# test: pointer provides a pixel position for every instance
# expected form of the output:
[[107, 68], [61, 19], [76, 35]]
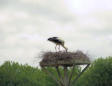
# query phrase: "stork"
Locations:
[[59, 42]]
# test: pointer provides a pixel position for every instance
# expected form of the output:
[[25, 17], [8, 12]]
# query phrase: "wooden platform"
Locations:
[[64, 59]]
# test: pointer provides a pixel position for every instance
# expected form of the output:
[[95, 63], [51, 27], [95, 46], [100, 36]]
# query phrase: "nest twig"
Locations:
[[64, 58]]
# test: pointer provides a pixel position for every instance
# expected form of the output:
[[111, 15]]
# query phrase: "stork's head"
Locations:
[[52, 38]]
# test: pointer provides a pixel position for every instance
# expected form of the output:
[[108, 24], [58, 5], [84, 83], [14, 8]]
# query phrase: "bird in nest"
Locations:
[[59, 42]]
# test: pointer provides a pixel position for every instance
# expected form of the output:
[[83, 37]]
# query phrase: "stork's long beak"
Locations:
[[48, 39]]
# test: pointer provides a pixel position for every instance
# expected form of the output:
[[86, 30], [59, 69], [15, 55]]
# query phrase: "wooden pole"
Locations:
[[66, 79], [66, 76], [51, 75], [71, 74], [59, 75], [74, 81]]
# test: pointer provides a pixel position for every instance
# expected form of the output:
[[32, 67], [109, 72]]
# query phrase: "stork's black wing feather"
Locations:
[[56, 41]]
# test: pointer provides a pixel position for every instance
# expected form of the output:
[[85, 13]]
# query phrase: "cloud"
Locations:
[[52, 10], [26, 25]]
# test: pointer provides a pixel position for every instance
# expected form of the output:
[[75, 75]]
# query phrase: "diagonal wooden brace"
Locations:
[[59, 74], [71, 74], [74, 81], [52, 76]]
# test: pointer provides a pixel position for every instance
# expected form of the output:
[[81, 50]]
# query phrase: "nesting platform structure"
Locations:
[[65, 60]]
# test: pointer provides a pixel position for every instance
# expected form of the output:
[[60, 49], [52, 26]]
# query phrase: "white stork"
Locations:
[[59, 42]]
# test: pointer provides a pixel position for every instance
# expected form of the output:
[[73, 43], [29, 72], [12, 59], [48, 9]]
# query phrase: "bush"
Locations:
[[98, 74], [14, 74]]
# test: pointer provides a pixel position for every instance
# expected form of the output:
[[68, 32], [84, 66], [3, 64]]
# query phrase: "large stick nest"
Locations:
[[64, 58]]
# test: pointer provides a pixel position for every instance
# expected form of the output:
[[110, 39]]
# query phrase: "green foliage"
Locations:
[[14, 74], [98, 74]]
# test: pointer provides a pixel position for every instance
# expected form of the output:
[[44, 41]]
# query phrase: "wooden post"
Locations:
[[51, 75], [74, 81], [66, 79], [65, 76], [71, 75], [59, 74]]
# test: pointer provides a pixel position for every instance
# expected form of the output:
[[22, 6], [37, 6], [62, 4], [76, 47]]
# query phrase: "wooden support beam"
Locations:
[[71, 74], [65, 80], [66, 76], [59, 74], [74, 81], [52, 76]]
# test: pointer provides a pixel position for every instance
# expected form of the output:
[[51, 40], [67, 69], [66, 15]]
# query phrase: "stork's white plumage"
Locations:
[[59, 42]]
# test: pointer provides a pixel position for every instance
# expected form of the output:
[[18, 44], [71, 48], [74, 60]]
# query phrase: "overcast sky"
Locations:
[[25, 26]]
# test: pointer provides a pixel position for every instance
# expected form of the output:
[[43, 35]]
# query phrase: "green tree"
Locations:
[[14, 74], [98, 74]]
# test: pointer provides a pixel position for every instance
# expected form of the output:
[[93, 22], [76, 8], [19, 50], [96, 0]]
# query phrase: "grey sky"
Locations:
[[26, 24]]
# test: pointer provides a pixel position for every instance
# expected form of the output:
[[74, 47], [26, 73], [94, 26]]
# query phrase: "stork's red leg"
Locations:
[[56, 47], [65, 48], [59, 48]]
